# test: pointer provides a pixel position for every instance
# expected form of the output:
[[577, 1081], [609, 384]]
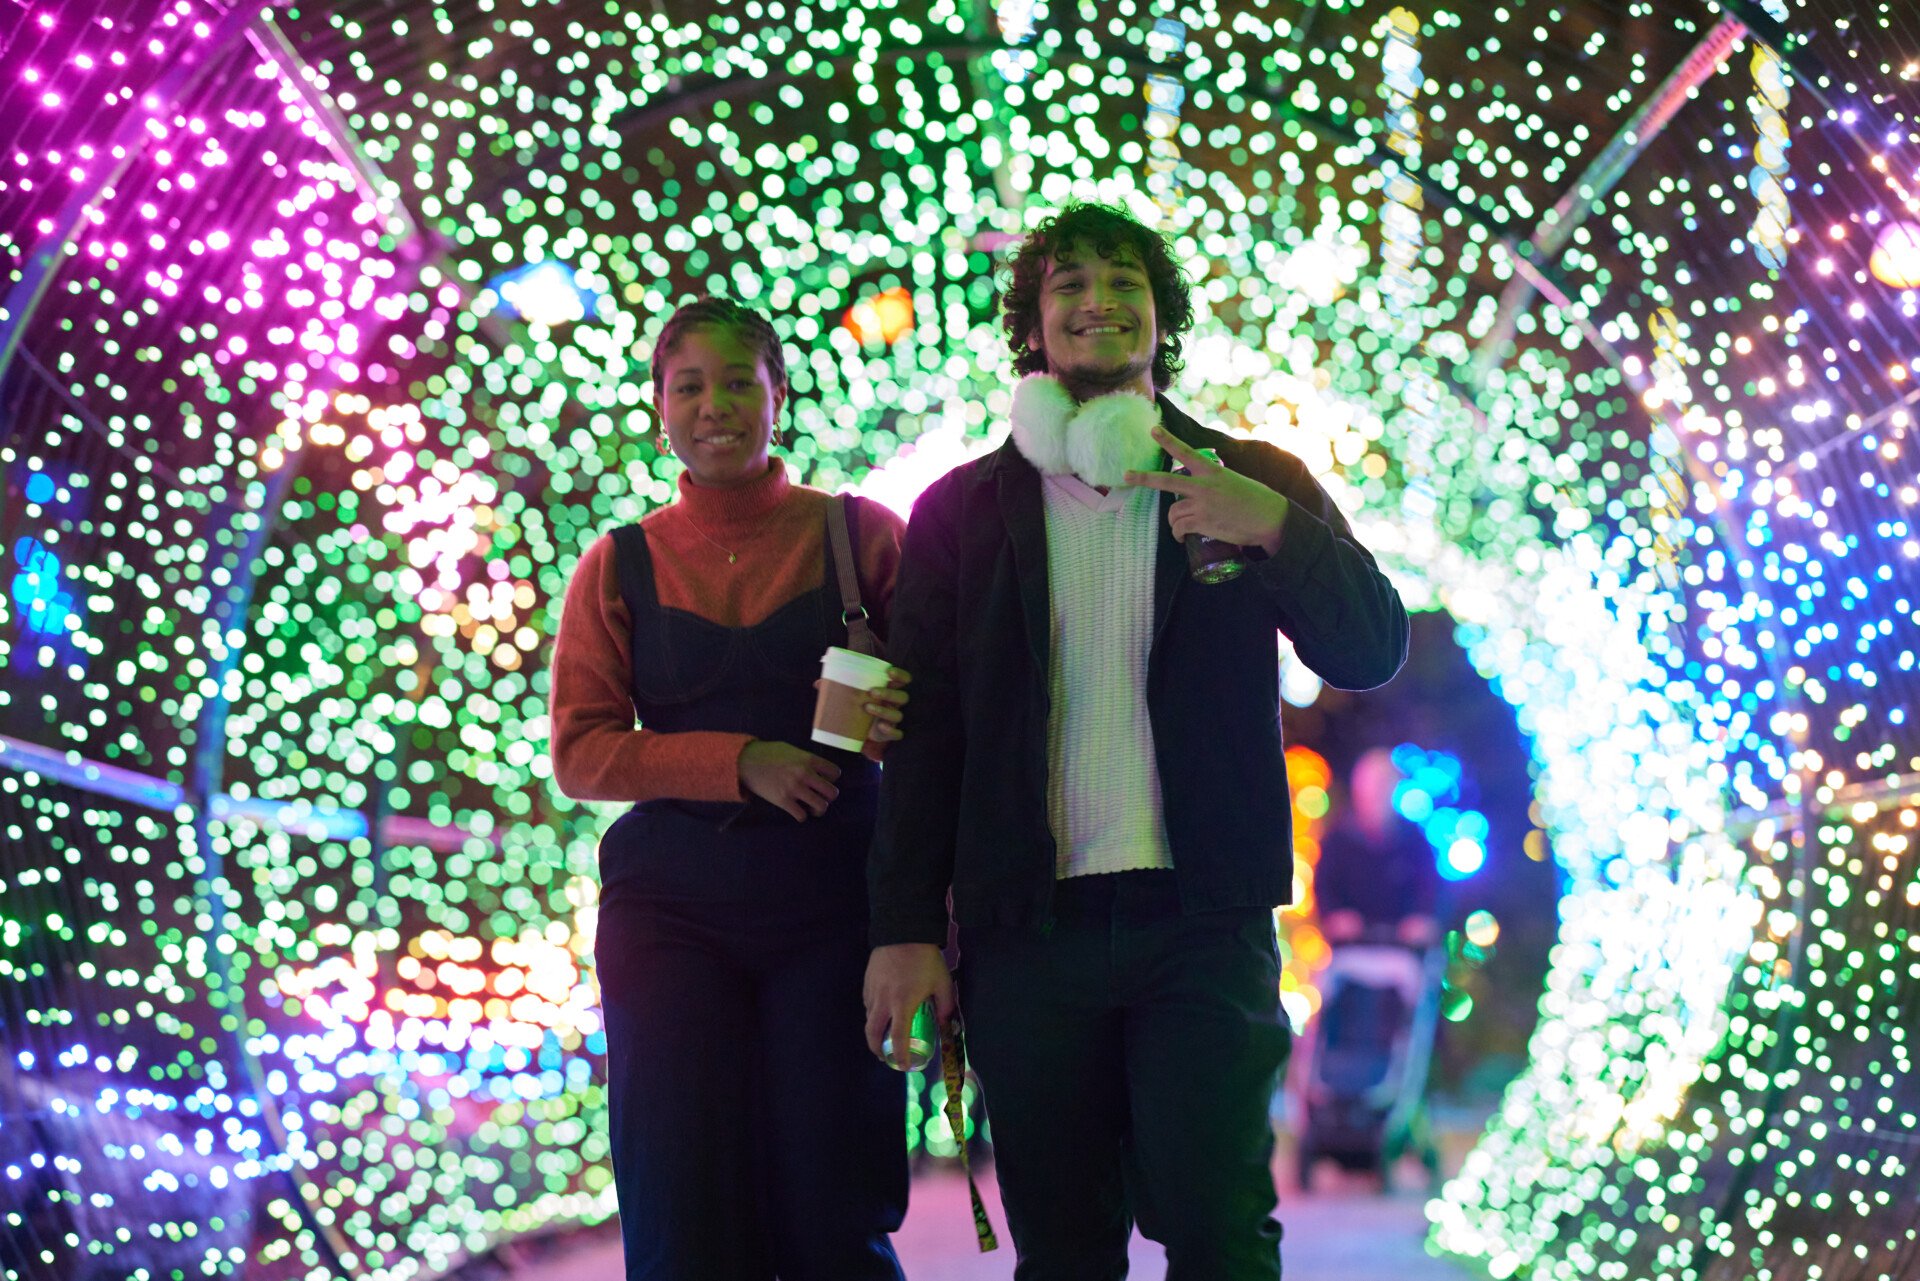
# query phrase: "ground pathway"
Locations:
[[1349, 1231]]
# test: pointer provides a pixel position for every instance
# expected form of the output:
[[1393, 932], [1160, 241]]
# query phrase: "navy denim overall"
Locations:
[[753, 1134]]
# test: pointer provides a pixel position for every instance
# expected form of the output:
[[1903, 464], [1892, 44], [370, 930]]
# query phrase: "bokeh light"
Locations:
[[295, 935]]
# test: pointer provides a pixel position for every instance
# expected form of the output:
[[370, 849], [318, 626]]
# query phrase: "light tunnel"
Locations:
[[324, 355]]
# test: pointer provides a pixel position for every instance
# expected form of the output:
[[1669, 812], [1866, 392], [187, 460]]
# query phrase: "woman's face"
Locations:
[[718, 403]]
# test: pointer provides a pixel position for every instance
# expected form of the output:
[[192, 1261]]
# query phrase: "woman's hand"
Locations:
[[886, 706], [798, 782]]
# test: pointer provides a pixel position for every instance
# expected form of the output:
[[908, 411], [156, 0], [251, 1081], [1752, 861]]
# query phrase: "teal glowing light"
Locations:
[[1428, 795]]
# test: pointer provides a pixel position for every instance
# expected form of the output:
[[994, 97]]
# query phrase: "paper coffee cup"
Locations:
[[840, 717]]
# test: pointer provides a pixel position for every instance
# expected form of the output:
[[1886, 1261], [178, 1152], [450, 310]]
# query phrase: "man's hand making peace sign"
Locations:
[[1214, 501]]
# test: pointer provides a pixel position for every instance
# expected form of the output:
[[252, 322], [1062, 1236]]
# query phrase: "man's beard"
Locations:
[[1086, 383]]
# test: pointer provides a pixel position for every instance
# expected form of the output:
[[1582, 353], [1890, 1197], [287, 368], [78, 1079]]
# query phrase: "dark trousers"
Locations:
[[1128, 1057], [753, 1133]]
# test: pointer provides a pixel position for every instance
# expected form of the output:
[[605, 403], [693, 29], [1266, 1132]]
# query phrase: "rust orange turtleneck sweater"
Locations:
[[779, 531]]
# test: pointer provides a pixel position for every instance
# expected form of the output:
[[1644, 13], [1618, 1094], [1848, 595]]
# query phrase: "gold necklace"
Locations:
[[733, 557]]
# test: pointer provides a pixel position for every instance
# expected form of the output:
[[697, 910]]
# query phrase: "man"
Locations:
[[1094, 776]]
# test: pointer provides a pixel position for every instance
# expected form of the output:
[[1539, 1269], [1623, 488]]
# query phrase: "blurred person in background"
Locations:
[[1376, 875]]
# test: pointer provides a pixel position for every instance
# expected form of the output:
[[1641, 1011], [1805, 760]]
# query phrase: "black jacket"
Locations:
[[963, 799]]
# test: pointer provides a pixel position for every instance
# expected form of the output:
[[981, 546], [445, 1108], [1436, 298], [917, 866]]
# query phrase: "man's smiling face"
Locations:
[[1098, 329]]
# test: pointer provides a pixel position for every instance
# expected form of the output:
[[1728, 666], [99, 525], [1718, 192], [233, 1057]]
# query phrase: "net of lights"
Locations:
[[296, 941]]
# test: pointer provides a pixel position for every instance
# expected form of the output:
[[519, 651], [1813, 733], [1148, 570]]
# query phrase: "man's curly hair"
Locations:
[[1105, 231]]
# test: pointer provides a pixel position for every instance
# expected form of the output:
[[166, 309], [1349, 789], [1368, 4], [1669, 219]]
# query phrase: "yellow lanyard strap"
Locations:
[[953, 1070]]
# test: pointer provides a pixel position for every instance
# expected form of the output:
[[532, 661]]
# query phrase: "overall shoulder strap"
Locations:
[[860, 635], [635, 563]]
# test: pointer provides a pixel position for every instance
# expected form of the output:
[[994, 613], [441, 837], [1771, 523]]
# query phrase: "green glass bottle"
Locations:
[[1210, 560]]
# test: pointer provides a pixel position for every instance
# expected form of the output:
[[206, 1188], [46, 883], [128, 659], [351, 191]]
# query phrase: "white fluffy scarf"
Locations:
[[1099, 441]]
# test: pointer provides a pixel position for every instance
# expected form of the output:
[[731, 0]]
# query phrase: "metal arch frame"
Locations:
[[206, 778], [1533, 260], [202, 790], [1532, 263], [1577, 202], [1535, 276], [416, 248], [23, 299]]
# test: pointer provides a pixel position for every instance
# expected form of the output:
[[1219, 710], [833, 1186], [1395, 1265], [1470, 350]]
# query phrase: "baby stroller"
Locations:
[[1361, 1076]]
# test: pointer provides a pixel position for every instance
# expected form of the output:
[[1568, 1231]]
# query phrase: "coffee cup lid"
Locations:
[[851, 667]]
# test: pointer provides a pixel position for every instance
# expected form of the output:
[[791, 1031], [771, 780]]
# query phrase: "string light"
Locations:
[[1768, 179], [291, 499], [1165, 96]]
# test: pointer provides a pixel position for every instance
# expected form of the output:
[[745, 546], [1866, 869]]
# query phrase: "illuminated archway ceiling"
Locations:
[[244, 369]]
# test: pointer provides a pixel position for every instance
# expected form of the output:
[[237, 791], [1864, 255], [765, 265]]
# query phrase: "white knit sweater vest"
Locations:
[[1103, 785]]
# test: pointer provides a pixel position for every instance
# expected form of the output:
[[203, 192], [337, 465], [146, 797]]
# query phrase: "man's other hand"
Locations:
[[900, 976]]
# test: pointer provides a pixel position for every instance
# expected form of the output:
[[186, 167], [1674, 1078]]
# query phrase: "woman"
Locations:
[[753, 1134]]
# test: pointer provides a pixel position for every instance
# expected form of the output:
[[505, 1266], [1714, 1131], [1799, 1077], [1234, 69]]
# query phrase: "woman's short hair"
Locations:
[[749, 324], [1106, 232]]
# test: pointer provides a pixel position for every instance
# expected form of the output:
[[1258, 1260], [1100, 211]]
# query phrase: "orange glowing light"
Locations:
[[1896, 256], [885, 317]]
